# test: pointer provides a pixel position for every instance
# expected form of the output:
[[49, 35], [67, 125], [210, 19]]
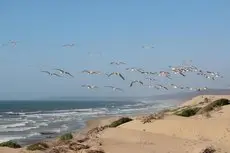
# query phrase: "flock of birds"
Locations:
[[181, 70]]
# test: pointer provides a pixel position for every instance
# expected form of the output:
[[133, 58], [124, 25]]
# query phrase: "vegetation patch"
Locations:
[[149, 118], [77, 146], [67, 136], [10, 144], [187, 112], [120, 121], [38, 146], [209, 150], [216, 104]]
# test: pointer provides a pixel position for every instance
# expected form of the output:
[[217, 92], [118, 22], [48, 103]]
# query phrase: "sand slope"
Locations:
[[172, 134]]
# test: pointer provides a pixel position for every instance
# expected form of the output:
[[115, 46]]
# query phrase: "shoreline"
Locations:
[[168, 129]]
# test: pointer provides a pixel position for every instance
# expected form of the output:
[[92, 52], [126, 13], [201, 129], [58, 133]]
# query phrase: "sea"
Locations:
[[26, 121]]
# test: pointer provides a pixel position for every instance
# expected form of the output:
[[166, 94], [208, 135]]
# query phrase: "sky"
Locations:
[[179, 30]]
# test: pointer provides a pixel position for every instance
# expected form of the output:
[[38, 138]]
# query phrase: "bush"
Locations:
[[209, 150], [10, 144], [187, 112], [67, 136], [120, 121], [38, 146], [213, 105]]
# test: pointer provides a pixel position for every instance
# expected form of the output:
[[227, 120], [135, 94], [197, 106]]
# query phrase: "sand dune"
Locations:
[[172, 134]]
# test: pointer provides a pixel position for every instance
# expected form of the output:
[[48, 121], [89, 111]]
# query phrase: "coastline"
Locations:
[[192, 133]]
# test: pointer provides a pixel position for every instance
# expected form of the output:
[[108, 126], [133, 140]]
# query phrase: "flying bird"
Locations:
[[114, 88], [150, 79], [161, 86], [90, 86], [118, 74], [147, 46], [13, 42], [91, 72], [117, 63], [136, 81], [68, 45], [61, 71], [132, 69]]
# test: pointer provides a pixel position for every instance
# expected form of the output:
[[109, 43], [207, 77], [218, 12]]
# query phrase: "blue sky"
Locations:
[[180, 30]]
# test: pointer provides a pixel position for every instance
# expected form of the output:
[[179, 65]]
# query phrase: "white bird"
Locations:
[[161, 86], [61, 71], [132, 69], [13, 42], [147, 46], [136, 81], [68, 45], [90, 86], [150, 79], [91, 72], [118, 74], [114, 88], [165, 74], [49, 73], [174, 86], [189, 88], [117, 63]]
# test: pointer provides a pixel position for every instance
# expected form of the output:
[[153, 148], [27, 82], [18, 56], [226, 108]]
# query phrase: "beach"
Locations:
[[164, 132]]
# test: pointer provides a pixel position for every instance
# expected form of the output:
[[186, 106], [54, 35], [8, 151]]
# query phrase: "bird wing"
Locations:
[[121, 76], [46, 72], [131, 84], [110, 74], [182, 74], [69, 74], [141, 82]]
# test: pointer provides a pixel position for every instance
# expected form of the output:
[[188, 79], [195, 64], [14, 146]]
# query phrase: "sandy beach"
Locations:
[[167, 134]]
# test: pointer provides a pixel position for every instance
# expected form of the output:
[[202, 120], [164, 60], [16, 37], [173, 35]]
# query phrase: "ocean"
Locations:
[[34, 120]]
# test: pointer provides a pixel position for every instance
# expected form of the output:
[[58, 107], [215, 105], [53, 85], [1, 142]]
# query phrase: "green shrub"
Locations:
[[67, 136], [209, 150], [38, 146], [220, 102], [213, 105], [187, 112], [10, 144], [120, 121]]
